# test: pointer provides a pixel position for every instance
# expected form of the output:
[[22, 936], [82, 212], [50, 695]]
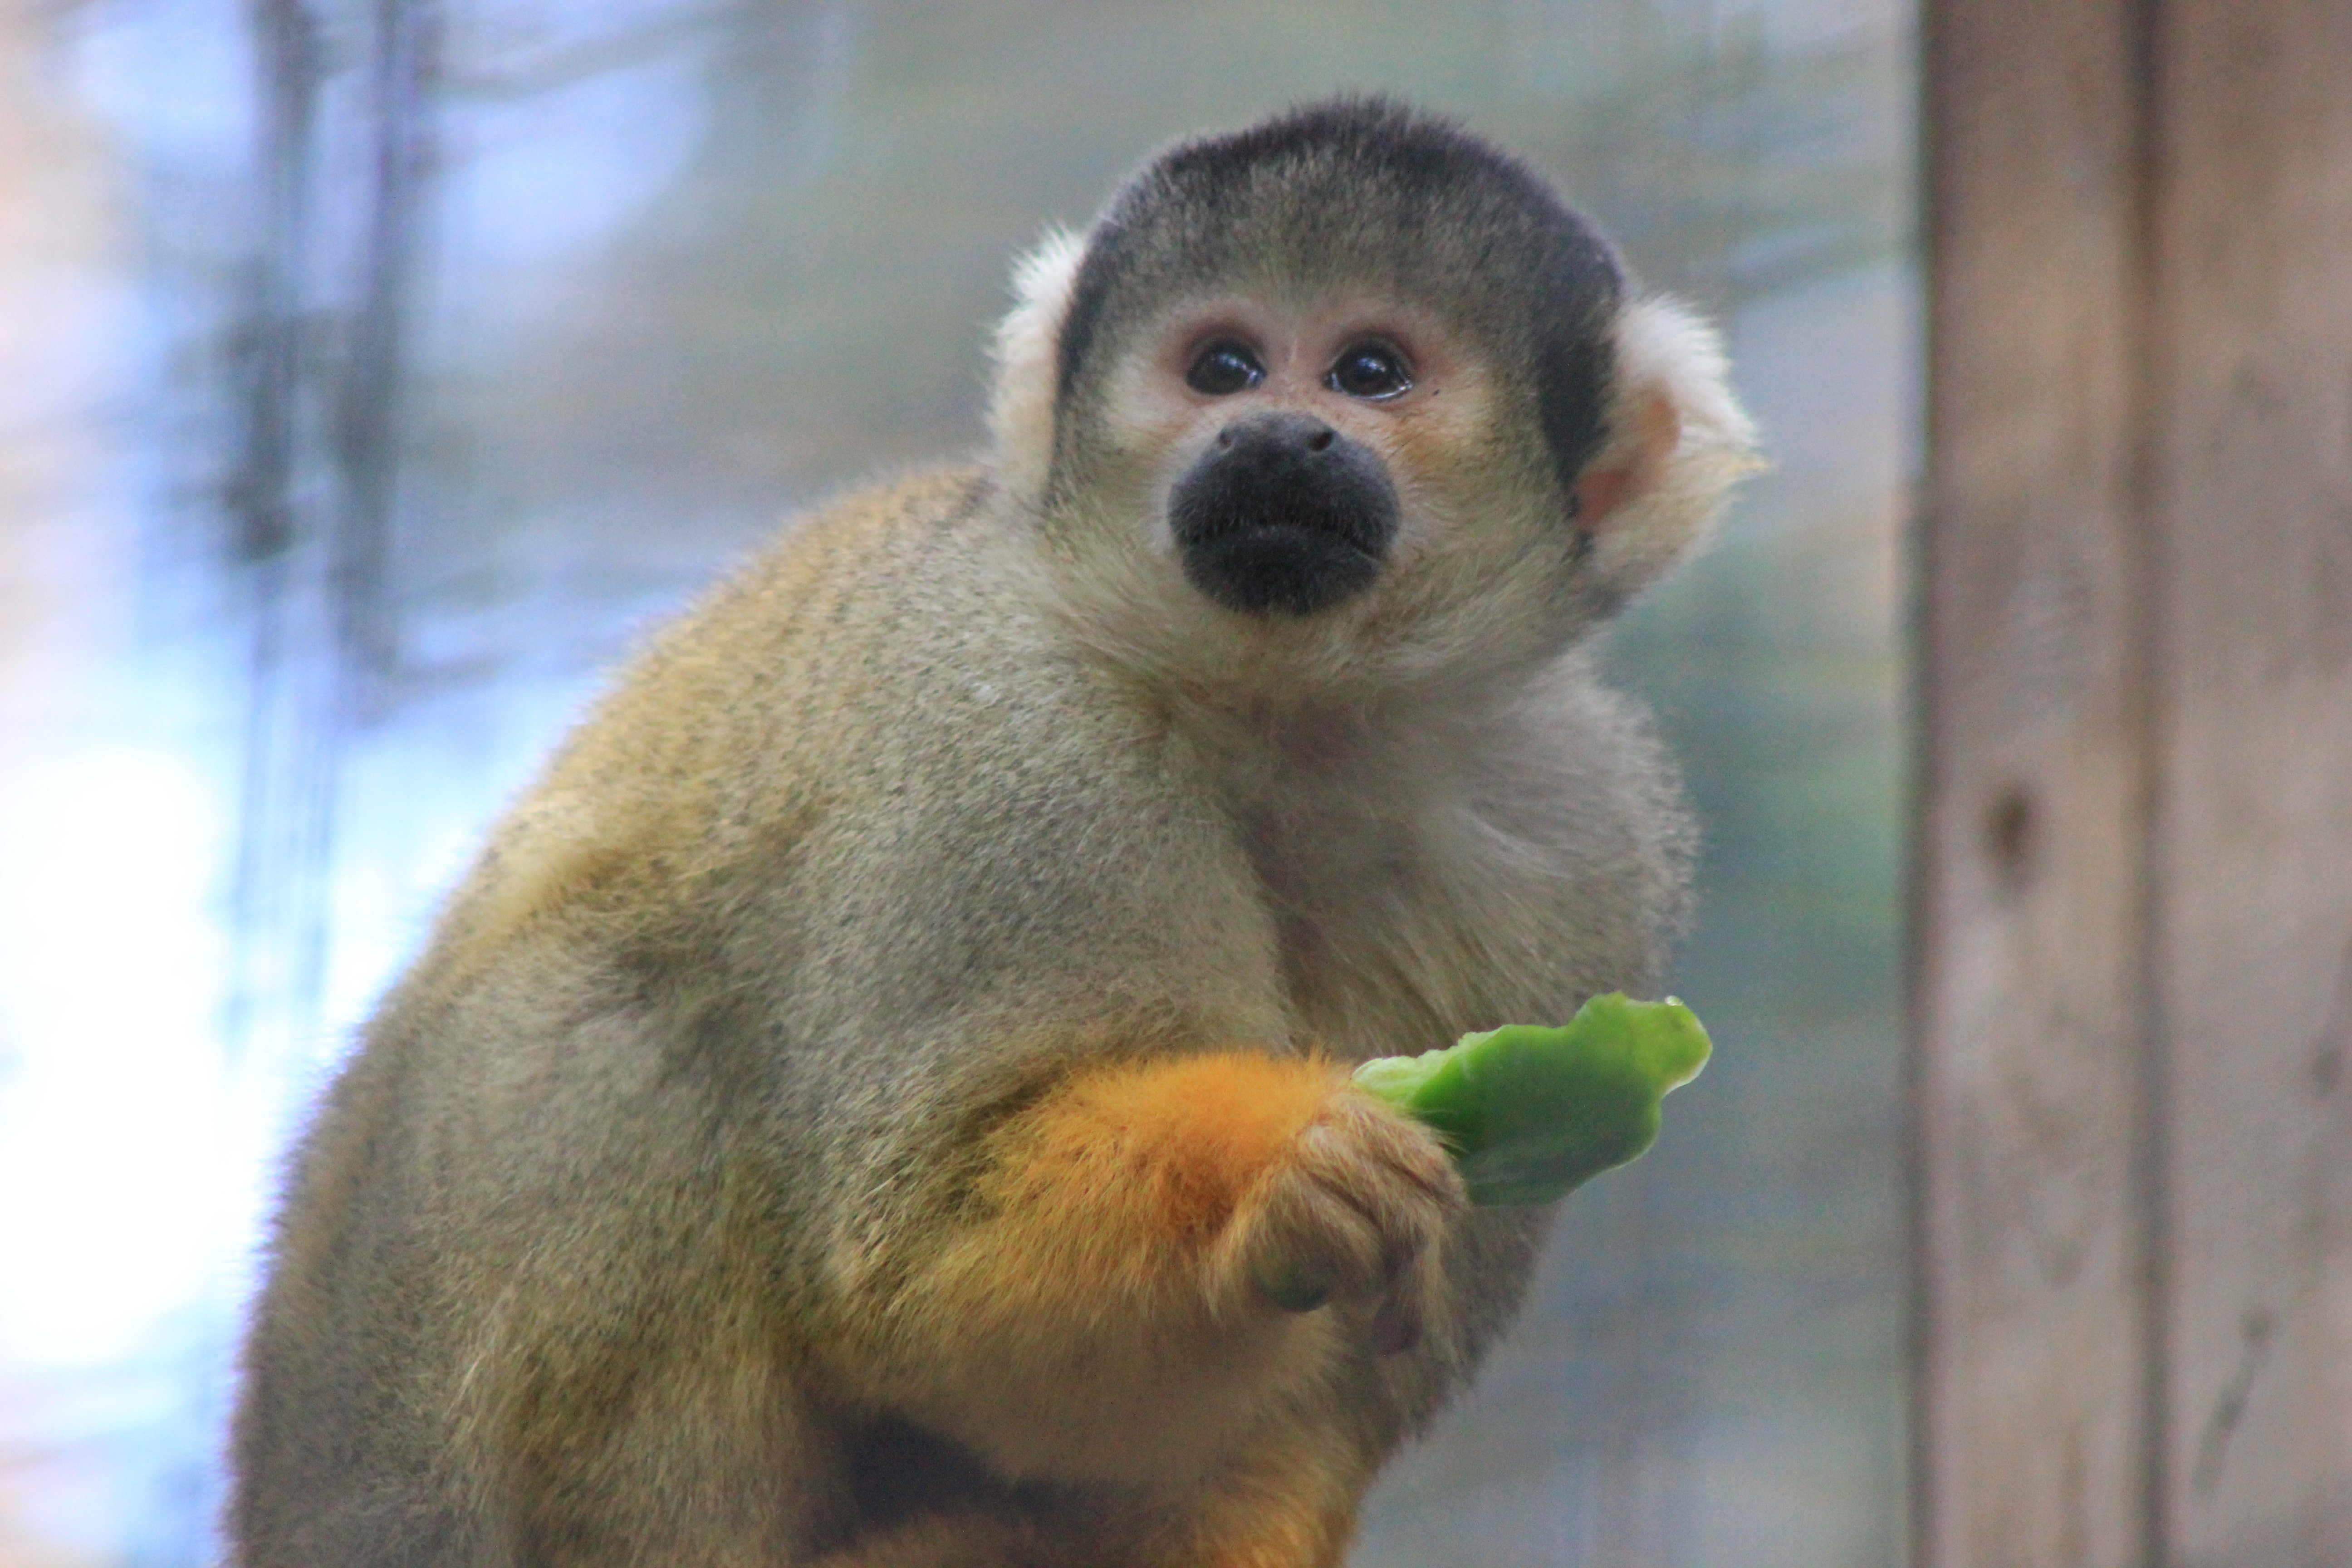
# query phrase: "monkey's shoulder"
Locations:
[[897, 641], [878, 675]]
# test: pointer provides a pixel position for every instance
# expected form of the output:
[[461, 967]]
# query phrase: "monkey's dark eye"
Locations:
[[1370, 370], [1223, 368]]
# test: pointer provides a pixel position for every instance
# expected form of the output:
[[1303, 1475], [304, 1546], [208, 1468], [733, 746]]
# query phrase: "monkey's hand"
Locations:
[[1352, 1214]]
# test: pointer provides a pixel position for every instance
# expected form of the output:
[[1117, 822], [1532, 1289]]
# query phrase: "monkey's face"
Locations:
[[1290, 458]]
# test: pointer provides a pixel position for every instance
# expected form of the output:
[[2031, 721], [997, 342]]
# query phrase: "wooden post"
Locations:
[[2133, 977], [2033, 1351], [2253, 510]]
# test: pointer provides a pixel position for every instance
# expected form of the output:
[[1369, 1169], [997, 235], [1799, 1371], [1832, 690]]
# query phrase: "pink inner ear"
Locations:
[[1657, 430], [1600, 493]]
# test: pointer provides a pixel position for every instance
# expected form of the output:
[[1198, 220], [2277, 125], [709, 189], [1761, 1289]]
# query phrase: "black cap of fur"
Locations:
[[1367, 190]]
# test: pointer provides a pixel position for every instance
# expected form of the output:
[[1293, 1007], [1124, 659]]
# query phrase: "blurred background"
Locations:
[[371, 372]]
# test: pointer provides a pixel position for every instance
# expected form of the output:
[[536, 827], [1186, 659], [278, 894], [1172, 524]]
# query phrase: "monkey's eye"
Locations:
[[1372, 371], [1223, 368]]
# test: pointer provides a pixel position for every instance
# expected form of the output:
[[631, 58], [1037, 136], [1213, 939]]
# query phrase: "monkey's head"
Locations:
[[1352, 391]]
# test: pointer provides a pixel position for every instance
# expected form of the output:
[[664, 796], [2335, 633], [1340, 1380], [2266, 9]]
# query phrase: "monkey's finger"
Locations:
[[1309, 1242], [1372, 1133], [1392, 1171], [1396, 1323], [1288, 1285], [1414, 1301]]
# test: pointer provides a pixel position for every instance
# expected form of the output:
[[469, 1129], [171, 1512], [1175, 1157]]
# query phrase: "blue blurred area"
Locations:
[[368, 376]]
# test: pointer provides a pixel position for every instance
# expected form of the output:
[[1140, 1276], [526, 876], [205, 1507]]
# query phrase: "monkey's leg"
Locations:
[[1134, 1285], [976, 1540], [1289, 1502]]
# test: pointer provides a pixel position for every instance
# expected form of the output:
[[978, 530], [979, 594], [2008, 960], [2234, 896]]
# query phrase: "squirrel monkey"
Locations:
[[881, 1101]]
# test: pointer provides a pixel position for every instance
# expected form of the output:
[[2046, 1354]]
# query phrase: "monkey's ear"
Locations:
[[1678, 441], [1028, 344]]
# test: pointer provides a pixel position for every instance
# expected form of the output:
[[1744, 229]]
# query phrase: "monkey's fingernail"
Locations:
[[1289, 1288]]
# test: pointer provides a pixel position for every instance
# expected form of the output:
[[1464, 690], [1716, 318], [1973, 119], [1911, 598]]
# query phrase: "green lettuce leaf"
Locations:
[[1531, 1113]]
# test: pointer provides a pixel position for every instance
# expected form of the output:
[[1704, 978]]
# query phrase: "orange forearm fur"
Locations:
[[1119, 1185]]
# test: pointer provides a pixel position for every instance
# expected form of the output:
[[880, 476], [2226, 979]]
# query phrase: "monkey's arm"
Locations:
[[1140, 1269]]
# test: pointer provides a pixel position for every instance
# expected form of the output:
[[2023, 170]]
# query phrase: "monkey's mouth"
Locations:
[[1283, 515], [1279, 567]]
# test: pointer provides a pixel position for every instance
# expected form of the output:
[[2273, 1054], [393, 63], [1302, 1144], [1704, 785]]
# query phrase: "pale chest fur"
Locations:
[[1429, 880]]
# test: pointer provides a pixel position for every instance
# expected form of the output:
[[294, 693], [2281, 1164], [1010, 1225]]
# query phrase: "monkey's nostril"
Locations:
[[1320, 439], [1225, 436]]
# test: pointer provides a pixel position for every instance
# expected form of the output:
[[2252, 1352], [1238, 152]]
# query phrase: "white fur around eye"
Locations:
[[1028, 341]]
